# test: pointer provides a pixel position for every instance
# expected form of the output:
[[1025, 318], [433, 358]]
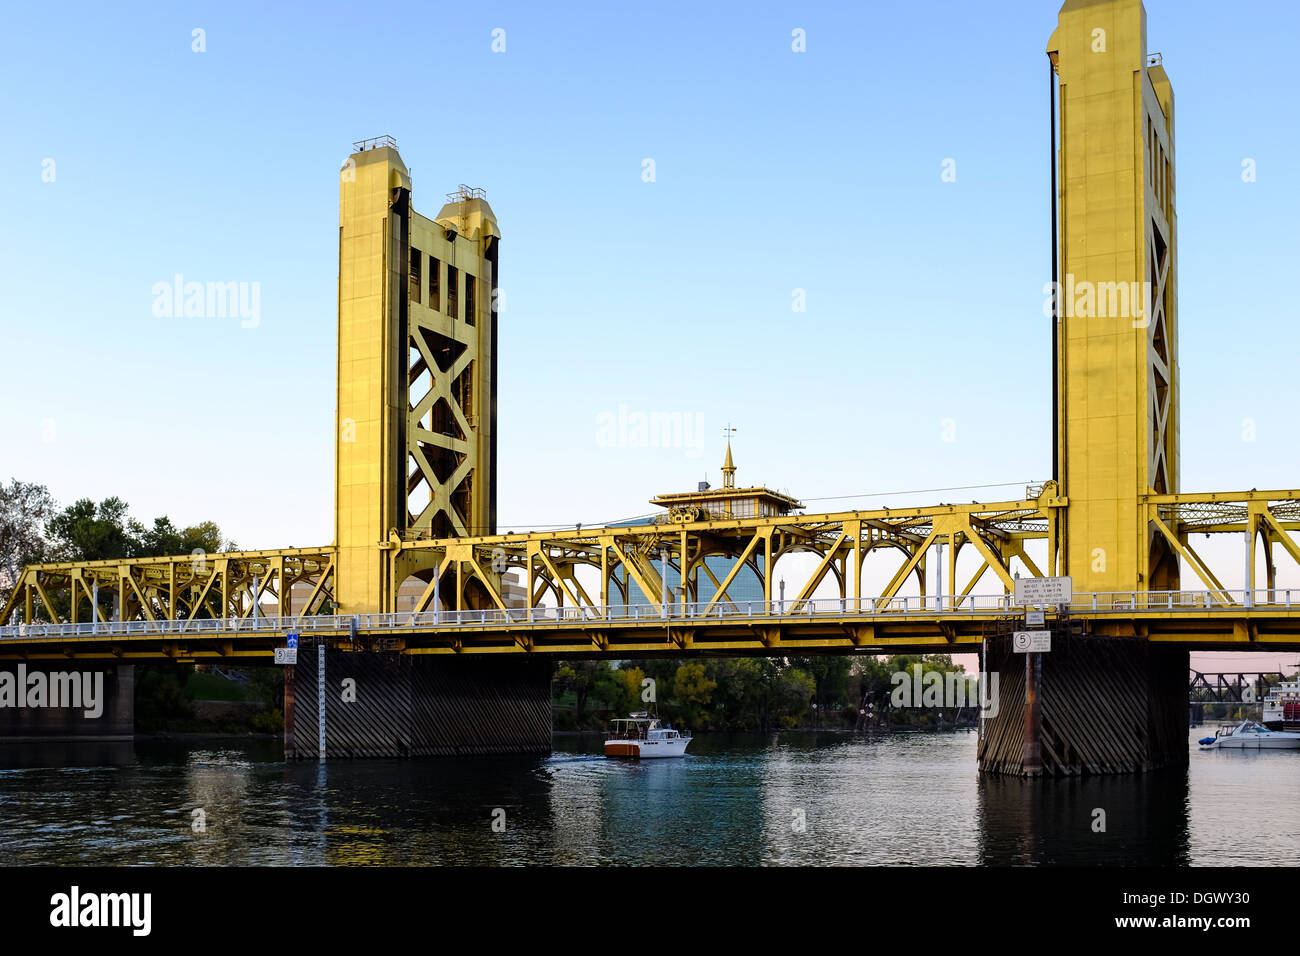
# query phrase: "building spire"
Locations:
[[728, 466]]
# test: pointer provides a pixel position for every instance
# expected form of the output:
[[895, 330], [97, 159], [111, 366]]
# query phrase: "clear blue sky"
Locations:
[[774, 171]]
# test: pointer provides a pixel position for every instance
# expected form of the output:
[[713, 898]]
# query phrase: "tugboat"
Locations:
[[640, 735]]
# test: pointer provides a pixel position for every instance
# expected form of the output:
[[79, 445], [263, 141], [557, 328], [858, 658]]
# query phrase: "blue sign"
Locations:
[[293, 640]]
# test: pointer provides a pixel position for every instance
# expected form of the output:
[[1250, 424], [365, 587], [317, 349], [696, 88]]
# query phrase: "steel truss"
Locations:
[[591, 571]]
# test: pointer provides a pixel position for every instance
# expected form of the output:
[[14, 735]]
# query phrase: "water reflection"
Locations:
[[1138, 820], [67, 753], [741, 800]]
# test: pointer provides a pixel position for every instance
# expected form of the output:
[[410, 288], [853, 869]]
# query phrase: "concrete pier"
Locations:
[[1101, 705], [72, 701], [380, 704]]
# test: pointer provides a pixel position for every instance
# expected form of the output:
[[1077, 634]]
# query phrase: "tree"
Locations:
[[580, 678], [737, 698], [618, 689], [793, 693], [25, 508], [85, 531], [165, 539], [692, 691], [830, 674]]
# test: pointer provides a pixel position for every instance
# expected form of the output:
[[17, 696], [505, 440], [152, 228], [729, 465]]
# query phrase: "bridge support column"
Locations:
[[52, 701], [1104, 705], [397, 705]]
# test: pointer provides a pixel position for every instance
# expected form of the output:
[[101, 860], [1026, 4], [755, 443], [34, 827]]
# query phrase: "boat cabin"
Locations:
[[640, 727]]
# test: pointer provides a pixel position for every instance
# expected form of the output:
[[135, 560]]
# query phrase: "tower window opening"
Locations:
[[435, 267], [470, 287], [452, 282], [414, 286]]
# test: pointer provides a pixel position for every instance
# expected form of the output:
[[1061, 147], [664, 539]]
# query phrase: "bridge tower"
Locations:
[[417, 341], [415, 457], [1116, 353], [1109, 703]]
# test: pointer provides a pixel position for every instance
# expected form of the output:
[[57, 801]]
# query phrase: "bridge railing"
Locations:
[[1102, 603]]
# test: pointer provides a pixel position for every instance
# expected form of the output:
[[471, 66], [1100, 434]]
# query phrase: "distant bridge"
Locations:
[[1241, 687]]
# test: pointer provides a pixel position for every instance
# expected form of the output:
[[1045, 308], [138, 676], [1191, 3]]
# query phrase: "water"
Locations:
[[743, 799]]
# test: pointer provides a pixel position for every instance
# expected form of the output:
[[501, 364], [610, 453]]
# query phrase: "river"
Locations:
[[737, 799]]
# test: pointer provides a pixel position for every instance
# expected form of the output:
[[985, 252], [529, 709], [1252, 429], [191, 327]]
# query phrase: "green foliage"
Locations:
[[207, 686], [268, 721], [265, 684], [165, 692], [741, 693], [722, 694], [614, 689], [830, 676], [164, 538], [24, 511], [160, 696], [579, 679], [875, 686], [692, 692], [85, 531]]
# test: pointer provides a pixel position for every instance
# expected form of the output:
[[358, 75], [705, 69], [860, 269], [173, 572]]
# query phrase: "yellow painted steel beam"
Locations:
[[1192, 558], [991, 560], [557, 577], [819, 573], [979, 573], [901, 575], [1282, 538], [740, 561]]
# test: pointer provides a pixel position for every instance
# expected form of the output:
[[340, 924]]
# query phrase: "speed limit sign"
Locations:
[[1031, 642]]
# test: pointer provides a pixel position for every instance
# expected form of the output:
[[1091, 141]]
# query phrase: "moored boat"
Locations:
[[1249, 735], [640, 735]]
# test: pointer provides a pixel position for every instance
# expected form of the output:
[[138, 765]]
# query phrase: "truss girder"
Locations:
[[582, 569], [183, 587]]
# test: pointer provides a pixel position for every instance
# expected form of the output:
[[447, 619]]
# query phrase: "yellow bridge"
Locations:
[[243, 604], [417, 567]]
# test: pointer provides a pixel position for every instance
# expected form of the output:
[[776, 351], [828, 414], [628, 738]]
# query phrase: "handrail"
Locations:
[[1100, 603]]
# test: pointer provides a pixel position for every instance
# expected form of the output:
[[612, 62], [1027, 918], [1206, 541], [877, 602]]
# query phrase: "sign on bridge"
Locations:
[[1044, 592], [1031, 642], [286, 655]]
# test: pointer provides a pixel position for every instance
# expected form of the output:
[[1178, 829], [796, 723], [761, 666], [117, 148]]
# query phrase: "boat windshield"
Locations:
[[633, 729]]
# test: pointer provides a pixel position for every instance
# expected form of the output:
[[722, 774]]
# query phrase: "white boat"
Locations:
[[640, 735], [1249, 735]]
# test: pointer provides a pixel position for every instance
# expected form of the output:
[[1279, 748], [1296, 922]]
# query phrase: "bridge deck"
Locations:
[[1201, 619]]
